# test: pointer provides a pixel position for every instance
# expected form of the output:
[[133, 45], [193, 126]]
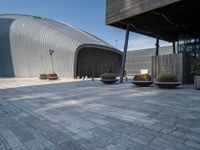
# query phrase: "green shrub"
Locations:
[[142, 77], [195, 68], [167, 78], [43, 75], [108, 76]]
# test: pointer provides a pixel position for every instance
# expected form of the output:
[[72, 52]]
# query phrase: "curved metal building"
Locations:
[[25, 42]]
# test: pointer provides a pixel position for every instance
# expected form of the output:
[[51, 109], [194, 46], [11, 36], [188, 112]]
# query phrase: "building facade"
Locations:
[[25, 42], [138, 60], [175, 21]]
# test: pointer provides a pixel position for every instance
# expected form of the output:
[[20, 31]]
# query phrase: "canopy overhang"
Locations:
[[165, 22]]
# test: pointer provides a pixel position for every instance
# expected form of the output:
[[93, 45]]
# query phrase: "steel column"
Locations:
[[157, 46], [124, 54], [174, 48]]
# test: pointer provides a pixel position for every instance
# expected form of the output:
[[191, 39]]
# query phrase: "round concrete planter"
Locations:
[[52, 78], [43, 78], [142, 83], [197, 81], [167, 85], [109, 81]]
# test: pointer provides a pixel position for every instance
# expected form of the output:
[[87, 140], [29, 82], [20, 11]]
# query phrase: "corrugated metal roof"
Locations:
[[59, 26], [30, 38]]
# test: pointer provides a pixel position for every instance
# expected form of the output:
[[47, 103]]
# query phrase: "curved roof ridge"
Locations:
[[84, 32], [93, 37], [62, 32]]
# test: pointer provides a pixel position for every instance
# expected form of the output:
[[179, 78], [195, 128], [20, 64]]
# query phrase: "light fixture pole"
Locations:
[[116, 43], [51, 56]]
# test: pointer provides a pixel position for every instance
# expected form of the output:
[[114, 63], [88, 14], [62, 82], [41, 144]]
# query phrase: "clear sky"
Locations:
[[88, 15]]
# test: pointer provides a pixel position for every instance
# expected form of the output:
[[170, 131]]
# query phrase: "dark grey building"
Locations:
[[25, 42], [138, 60]]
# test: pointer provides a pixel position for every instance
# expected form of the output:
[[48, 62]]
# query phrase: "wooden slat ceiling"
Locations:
[[167, 21]]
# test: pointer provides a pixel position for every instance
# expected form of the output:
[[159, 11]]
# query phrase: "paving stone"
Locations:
[[74, 129], [34, 145], [142, 137], [23, 135], [71, 145], [193, 144], [3, 144], [50, 145], [112, 147], [86, 135], [171, 145], [11, 139], [45, 115], [193, 137], [20, 148]]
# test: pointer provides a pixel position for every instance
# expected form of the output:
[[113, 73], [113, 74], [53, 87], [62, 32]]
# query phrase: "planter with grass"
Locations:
[[108, 78], [52, 76], [168, 81], [142, 80], [196, 71], [43, 76]]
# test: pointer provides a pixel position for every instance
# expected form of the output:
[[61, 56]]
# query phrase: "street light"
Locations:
[[51, 55], [116, 43]]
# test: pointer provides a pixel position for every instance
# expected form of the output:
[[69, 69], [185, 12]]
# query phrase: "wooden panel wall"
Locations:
[[178, 64], [117, 10]]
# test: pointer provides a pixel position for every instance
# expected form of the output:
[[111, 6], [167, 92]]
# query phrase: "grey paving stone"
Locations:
[[50, 145], [192, 136], [23, 135], [193, 144], [11, 139], [34, 145], [20, 148], [112, 147], [71, 145], [44, 115], [86, 135]]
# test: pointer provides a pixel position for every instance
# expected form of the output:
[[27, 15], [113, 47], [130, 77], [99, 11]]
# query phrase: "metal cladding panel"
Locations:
[[141, 59], [30, 44], [32, 37]]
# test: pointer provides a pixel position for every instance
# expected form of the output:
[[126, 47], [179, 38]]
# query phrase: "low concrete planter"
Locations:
[[109, 81], [167, 85], [197, 82], [142, 83], [43, 78], [52, 78]]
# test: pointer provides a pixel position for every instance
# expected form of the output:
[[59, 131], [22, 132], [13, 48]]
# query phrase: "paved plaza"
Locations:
[[89, 115]]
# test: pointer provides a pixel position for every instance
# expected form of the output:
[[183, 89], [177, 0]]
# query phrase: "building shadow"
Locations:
[[6, 64]]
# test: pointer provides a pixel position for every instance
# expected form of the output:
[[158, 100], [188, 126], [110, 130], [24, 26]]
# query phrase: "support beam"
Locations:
[[124, 54], [174, 47], [157, 46]]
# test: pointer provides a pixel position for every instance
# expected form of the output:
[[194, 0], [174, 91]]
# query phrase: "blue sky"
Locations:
[[88, 15]]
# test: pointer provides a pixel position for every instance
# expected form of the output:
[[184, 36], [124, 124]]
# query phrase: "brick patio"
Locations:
[[79, 115]]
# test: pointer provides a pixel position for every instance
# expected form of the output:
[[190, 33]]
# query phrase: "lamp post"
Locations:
[[51, 56], [116, 42]]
